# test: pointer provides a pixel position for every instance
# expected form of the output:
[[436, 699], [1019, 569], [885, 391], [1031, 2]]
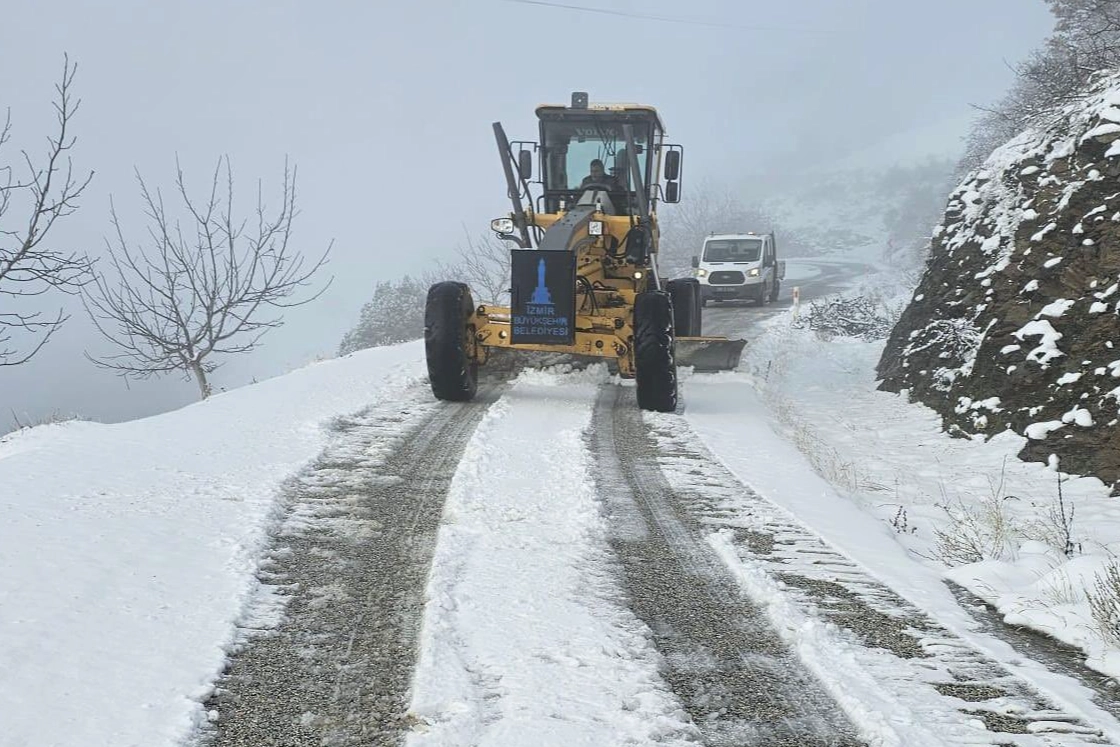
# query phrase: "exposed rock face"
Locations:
[[1016, 321]]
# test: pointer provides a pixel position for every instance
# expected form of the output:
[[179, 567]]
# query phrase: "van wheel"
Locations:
[[655, 366], [448, 340]]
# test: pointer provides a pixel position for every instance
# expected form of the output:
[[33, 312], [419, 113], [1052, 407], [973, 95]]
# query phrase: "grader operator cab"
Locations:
[[584, 275]]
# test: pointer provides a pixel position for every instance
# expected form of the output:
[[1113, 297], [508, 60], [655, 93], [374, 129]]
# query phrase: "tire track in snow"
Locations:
[[739, 682], [349, 564], [1054, 655], [923, 684], [527, 639]]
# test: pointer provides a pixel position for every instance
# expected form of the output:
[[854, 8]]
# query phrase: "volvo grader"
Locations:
[[583, 262]]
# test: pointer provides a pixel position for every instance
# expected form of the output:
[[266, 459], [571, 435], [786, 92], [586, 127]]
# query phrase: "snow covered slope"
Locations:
[[1016, 322]]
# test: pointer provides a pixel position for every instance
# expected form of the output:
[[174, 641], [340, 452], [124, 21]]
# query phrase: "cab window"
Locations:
[[732, 250], [571, 146]]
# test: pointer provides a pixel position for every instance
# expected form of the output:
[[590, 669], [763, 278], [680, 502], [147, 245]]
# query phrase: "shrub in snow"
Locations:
[[1104, 603], [956, 342], [976, 531], [1055, 527], [991, 530], [857, 316]]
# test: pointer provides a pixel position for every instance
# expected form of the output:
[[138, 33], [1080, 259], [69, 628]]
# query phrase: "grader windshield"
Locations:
[[570, 145]]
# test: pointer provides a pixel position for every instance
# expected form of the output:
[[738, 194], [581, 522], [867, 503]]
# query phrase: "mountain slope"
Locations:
[[1015, 322]]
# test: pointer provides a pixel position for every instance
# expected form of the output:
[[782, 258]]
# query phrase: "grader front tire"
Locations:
[[452, 371], [656, 368]]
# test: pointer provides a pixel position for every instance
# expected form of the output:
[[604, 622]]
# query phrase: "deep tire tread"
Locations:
[[452, 372], [656, 367], [685, 294]]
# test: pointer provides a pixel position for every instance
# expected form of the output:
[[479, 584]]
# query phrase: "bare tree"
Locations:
[[709, 208], [1085, 41], [483, 263], [193, 295], [28, 267], [1089, 33]]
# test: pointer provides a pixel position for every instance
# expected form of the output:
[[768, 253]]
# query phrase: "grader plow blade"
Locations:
[[709, 353]]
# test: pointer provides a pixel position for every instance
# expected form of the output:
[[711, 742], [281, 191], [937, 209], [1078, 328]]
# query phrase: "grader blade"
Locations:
[[709, 353]]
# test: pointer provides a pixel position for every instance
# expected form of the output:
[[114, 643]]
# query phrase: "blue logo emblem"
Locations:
[[541, 296]]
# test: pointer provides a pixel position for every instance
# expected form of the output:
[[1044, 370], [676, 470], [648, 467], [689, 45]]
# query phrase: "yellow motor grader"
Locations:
[[584, 275]]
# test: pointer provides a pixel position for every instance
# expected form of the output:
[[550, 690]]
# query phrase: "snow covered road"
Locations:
[[738, 681], [546, 565], [349, 567], [598, 577]]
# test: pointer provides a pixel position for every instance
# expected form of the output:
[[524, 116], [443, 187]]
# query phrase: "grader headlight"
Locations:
[[595, 228]]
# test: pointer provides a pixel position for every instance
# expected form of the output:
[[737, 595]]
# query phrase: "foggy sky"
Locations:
[[386, 110]]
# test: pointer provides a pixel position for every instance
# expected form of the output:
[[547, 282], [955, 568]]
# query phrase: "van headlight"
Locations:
[[701, 273], [753, 272]]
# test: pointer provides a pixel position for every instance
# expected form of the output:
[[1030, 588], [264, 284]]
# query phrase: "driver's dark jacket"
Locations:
[[609, 182]]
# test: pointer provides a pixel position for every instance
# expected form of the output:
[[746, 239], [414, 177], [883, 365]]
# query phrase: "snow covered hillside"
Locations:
[[1015, 323]]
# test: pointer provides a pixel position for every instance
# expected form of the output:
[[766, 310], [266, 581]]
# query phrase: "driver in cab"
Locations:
[[600, 178]]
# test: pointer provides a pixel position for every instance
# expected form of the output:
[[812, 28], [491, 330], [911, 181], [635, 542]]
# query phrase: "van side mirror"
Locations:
[[525, 164], [673, 165], [672, 192], [695, 261]]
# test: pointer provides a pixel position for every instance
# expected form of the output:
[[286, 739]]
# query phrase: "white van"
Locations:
[[739, 266]]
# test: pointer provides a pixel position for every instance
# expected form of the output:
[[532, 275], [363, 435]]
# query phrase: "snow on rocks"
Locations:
[[1039, 431], [1056, 308], [1027, 248], [1047, 348], [1079, 416]]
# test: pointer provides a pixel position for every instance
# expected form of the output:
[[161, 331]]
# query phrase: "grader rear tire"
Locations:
[[685, 293], [452, 372], [656, 368]]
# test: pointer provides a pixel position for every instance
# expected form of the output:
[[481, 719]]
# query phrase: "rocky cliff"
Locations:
[[1016, 321]]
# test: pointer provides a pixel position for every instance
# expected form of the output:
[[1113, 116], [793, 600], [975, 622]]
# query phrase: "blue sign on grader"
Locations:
[[543, 297]]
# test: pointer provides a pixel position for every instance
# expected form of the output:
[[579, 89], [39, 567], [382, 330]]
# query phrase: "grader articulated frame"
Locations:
[[584, 275]]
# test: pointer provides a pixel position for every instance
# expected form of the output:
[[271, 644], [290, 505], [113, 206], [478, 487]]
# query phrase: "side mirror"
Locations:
[[673, 165], [695, 261], [525, 164], [672, 192]]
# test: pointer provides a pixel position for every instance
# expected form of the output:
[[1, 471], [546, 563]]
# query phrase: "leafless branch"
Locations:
[[482, 262], [1086, 40], [28, 268], [195, 293]]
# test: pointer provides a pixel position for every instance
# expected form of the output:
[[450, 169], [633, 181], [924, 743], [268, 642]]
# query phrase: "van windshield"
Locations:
[[733, 250]]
